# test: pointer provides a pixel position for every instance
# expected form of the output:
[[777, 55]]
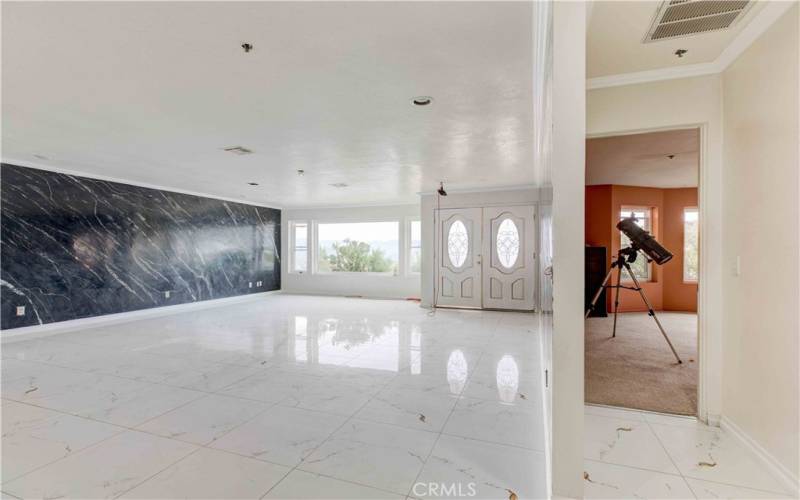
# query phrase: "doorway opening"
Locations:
[[652, 177]]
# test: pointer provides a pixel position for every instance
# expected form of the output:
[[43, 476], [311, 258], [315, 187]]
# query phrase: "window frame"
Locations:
[[650, 219], [683, 248], [401, 264], [407, 245], [293, 245]]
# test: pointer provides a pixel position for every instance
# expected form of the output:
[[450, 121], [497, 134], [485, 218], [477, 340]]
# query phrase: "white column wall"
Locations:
[[568, 172]]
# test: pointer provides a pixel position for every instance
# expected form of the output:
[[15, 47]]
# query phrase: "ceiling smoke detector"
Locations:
[[681, 18], [238, 150]]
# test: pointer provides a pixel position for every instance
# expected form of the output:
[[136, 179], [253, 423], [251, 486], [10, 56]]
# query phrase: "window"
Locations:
[[690, 245], [507, 243], [358, 247], [299, 251], [457, 244], [640, 267], [415, 247]]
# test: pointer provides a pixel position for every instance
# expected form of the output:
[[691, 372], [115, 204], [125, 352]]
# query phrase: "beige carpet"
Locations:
[[636, 369]]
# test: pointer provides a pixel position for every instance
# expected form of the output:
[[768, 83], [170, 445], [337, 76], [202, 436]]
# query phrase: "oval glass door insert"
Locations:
[[457, 243], [507, 242]]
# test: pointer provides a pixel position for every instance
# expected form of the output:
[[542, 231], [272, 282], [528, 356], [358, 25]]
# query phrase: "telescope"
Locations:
[[642, 241]]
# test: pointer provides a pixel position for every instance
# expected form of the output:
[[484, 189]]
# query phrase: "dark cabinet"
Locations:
[[595, 270]]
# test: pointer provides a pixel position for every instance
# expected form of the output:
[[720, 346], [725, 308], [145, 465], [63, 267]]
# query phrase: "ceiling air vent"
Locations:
[[679, 18], [238, 150]]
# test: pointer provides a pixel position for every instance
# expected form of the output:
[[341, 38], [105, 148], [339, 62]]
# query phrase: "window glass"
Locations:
[[300, 249], [415, 247], [690, 244], [507, 243], [358, 247], [457, 244], [640, 267]]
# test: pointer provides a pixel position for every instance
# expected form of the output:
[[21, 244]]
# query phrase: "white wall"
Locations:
[[671, 104], [375, 286], [761, 381], [527, 196], [748, 117], [568, 171]]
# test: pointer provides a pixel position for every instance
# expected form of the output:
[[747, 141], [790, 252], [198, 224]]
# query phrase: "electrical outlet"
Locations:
[[258, 283], [20, 310], [250, 284], [166, 294]]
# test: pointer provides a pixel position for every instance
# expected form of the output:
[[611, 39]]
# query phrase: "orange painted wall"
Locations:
[[665, 290], [678, 296]]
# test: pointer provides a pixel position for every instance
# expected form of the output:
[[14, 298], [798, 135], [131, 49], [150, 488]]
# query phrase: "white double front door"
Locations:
[[485, 257]]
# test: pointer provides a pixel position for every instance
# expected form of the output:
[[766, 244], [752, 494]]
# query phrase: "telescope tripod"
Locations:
[[627, 255]]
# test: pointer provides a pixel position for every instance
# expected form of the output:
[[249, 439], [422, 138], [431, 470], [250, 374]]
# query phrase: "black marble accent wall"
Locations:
[[73, 247]]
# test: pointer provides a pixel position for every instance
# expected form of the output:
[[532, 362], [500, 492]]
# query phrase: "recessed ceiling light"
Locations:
[[339, 185], [422, 100], [238, 150], [252, 184], [301, 172], [40, 157]]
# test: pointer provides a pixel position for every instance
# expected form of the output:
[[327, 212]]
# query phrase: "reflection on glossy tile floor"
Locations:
[[633, 454], [284, 397]]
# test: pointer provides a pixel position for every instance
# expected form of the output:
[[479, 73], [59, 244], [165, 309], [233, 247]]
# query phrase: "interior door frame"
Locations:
[[708, 352]]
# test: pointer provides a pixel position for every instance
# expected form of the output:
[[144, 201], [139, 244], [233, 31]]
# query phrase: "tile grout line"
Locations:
[[351, 417], [327, 439], [714, 431], [441, 431], [671, 459], [197, 450], [217, 392]]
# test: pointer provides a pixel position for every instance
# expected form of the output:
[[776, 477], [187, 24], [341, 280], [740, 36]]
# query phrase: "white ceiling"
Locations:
[[150, 92], [643, 159], [616, 30]]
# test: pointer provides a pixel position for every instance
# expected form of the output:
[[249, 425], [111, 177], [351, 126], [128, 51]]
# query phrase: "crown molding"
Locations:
[[654, 75], [754, 29], [80, 173], [749, 34]]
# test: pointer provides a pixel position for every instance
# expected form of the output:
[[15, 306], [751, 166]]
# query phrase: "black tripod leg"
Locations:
[[593, 303], [651, 312], [616, 301]]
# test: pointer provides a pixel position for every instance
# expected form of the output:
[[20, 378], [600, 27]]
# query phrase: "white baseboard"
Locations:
[[345, 295], [35, 331], [788, 479], [713, 419]]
